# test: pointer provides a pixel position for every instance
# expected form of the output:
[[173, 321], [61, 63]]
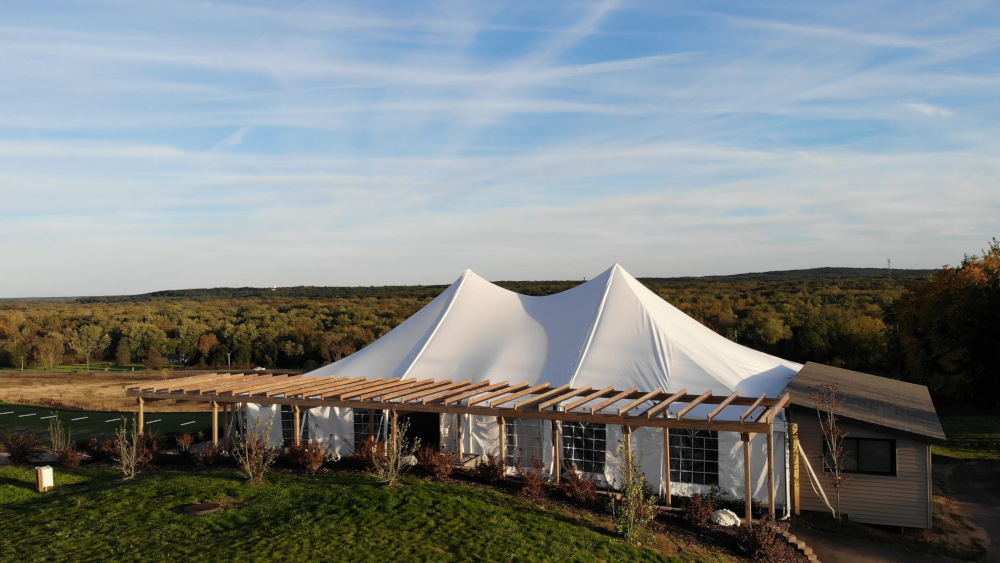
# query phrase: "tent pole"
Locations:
[[666, 466], [746, 475], [770, 470]]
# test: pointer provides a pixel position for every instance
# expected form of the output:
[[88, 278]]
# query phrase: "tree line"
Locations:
[[868, 320]]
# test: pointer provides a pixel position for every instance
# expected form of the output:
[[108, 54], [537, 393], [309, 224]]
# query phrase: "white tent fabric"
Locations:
[[611, 330]]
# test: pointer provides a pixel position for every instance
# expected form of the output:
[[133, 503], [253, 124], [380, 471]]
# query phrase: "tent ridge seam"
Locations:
[[444, 316], [593, 326]]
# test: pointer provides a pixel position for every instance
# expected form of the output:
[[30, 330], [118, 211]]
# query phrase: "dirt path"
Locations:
[[975, 486], [969, 488], [86, 391]]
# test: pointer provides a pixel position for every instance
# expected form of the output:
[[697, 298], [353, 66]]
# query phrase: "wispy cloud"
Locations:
[[401, 143]]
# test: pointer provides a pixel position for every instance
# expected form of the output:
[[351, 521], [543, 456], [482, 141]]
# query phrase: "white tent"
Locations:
[[611, 330]]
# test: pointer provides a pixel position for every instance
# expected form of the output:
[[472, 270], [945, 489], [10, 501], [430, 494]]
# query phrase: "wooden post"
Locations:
[[746, 477], [556, 450], [627, 431], [461, 448], [215, 423], [393, 427], [793, 445], [141, 403], [502, 423], [226, 418], [296, 429], [770, 471], [666, 466]]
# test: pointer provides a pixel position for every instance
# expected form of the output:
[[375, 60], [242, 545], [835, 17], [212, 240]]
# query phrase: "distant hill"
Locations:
[[524, 287]]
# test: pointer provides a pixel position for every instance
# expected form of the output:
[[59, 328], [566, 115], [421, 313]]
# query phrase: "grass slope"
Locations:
[[93, 515]]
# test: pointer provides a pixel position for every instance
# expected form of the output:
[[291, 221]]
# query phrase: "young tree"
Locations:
[[90, 340], [253, 451], [123, 354], [632, 511], [399, 454], [834, 457], [49, 351]]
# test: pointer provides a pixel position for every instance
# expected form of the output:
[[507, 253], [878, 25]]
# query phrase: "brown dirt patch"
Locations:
[[88, 391]]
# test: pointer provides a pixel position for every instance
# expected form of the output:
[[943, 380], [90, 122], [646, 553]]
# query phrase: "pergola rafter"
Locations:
[[503, 400]]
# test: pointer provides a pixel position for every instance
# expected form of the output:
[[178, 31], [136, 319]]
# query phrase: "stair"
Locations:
[[800, 546]]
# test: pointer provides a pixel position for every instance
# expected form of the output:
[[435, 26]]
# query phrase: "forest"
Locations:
[[869, 320]]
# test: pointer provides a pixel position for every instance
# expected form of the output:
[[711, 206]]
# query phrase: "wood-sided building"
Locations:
[[890, 427]]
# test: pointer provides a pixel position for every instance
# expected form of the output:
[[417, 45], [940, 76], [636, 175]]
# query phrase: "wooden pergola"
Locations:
[[630, 408]]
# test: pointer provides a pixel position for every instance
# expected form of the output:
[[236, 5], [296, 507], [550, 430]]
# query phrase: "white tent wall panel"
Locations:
[[269, 417], [333, 427], [449, 432]]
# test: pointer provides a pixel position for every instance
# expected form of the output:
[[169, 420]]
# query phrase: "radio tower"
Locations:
[[888, 262]]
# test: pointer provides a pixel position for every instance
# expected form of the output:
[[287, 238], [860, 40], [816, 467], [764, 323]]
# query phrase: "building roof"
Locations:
[[609, 331], [880, 401]]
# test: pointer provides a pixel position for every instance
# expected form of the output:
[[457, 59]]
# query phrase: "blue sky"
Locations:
[[167, 145]]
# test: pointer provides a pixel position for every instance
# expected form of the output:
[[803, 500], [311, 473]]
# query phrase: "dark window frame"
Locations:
[[367, 422], [860, 460], [694, 456], [585, 446], [287, 416]]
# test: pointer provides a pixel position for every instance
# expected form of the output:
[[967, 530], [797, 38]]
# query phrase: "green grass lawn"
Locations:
[[970, 436], [92, 515], [99, 424]]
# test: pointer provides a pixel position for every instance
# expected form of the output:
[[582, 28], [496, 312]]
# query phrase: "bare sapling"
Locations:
[[399, 454], [128, 448], [253, 452], [834, 457], [61, 442]]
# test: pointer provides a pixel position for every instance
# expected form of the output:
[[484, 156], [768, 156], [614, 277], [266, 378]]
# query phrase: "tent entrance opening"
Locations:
[[423, 425]]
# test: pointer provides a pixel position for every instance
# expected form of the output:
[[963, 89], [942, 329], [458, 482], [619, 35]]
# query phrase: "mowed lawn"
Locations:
[[93, 515]]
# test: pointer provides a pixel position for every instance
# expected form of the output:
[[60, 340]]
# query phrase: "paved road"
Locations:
[[974, 485]]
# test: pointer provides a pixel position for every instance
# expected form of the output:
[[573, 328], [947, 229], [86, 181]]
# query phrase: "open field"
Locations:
[[970, 435], [92, 515], [88, 391]]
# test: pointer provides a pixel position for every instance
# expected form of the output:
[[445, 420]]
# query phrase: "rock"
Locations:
[[725, 517]]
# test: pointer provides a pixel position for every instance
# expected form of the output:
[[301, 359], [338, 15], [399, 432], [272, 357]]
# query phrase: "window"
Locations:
[[867, 456], [524, 441], [584, 445], [694, 457], [367, 423], [288, 425]]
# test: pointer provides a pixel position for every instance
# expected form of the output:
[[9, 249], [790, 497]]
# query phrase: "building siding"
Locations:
[[900, 500]]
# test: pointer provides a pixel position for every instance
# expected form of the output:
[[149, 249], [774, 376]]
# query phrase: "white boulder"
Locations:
[[725, 517]]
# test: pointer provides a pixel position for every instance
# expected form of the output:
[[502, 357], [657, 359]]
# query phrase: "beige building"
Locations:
[[890, 427]]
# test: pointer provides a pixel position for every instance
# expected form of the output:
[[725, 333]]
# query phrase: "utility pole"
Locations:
[[229, 361]]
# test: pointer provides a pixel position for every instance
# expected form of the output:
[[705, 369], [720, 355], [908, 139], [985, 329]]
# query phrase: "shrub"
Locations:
[[436, 463], [631, 510], [211, 454], [184, 442], [579, 486], [21, 446], [491, 468], [310, 455], [397, 456], [698, 509], [128, 448], [253, 452], [153, 452], [95, 450], [369, 451], [760, 540], [535, 480], [69, 458]]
